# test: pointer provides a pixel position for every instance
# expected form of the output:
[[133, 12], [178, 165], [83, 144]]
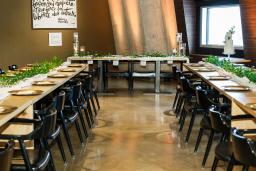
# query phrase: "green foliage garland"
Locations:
[[39, 68], [240, 71]]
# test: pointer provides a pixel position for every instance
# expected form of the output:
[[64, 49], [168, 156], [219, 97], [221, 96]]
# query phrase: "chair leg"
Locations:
[[191, 124], [51, 157], [89, 108], [96, 98], [182, 120], [93, 105], [214, 164], [79, 133], [67, 137], [60, 145], [88, 118], [179, 104], [201, 131], [25, 155], [82, 122], [175, 99], [245, 168], [230, 165], [208, 148]]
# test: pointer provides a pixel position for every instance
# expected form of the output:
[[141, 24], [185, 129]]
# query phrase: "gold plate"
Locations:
[[43, 83], [251, 105], [219, 77], [206, 70], [30, 65], [67, 70], [196, 65], [9, 75], [75, 65], [4, 109], [25, 92], [58, 76], [24, 69], [236, 88]]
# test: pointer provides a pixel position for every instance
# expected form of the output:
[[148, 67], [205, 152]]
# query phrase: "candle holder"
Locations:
[[183, 49], [82, 51], [179, 43], [75, 44]]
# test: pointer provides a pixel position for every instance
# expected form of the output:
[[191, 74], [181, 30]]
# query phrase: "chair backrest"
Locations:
[[6, 156], [49, 118], [241, 148], [217, 121], [184, 84], [88, 83], [202, 98], [174, 71], [60, 101], [77, 90]]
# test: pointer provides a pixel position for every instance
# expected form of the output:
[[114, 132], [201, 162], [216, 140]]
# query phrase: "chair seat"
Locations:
[[70, 115], [189, 106], [37, 161], [118, 74], [56, 133], [139, 74], [206, 123], [223, 151]]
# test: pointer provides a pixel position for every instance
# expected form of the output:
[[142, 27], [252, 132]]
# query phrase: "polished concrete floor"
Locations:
[[137, 133]]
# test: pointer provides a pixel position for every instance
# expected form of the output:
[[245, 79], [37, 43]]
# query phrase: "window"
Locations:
[[216, 21]]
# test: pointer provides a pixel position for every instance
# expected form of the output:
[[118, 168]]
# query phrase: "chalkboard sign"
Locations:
[[54, 14]]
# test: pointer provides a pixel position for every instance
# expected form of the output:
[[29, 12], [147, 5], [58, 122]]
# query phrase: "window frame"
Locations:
[[207, 26]]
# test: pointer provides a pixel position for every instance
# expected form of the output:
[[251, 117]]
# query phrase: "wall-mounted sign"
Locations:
[[54, 14], [55, 39]]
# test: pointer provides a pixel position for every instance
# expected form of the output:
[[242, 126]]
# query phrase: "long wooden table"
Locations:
[[239, 99], [26, 103], [157, 61]]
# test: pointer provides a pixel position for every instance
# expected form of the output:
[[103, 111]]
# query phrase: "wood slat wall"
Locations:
[[248, 17], [186, 22]]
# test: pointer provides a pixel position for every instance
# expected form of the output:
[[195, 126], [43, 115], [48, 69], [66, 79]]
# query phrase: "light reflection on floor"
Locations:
[[137, 133]]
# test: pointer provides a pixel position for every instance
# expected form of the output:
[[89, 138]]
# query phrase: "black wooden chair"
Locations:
[[68, 117], [43, 157], [206, 99], [244, 148], [6, 155]]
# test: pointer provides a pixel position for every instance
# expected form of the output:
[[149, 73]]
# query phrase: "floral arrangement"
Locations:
[[38, 68]]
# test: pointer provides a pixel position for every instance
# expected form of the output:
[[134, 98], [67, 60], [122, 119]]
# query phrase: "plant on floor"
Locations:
[[228, 66], [38, 68]]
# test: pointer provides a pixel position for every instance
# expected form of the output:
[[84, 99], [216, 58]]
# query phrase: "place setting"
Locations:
[[236, 88], [44, 83], [196, 65], [67, 70], [25, 92], [219, 77], [204, 69], [5, 109], [251, 106], [75, 65], [58, 75]]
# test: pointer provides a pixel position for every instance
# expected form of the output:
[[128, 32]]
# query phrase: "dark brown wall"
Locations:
[[20, 44], [190, 18], [248, 16]]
